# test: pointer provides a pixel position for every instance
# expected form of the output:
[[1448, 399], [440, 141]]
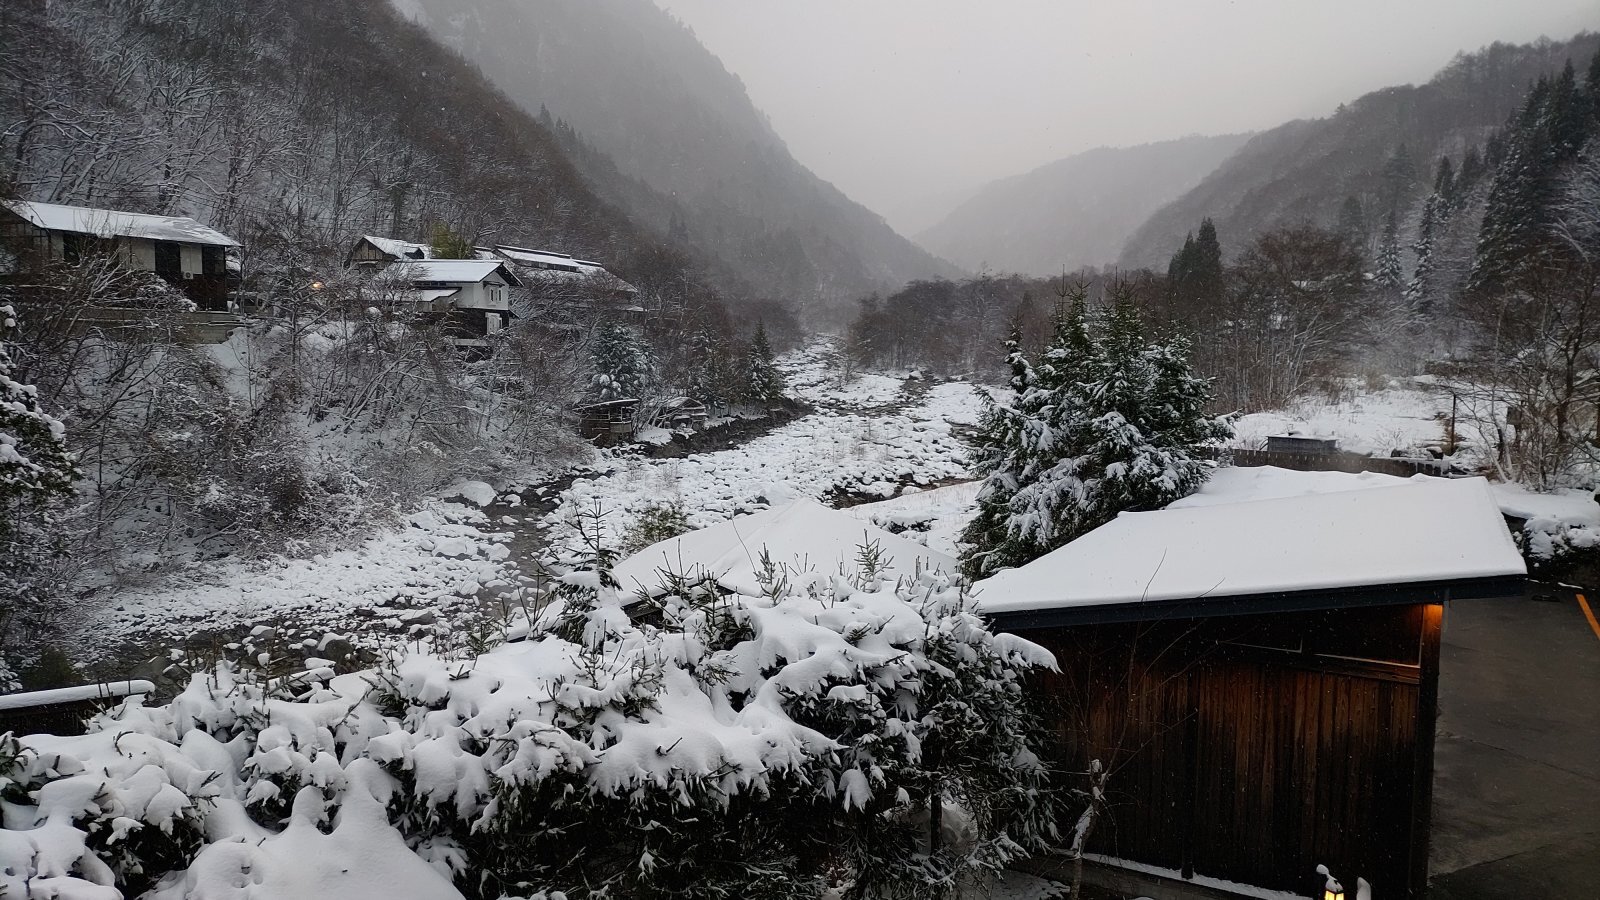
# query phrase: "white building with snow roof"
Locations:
[[474, 293]]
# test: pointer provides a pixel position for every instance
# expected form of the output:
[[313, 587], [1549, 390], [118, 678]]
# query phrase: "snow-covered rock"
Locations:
[[478, 493]]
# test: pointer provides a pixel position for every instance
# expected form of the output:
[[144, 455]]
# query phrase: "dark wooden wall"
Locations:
[[1254, 748]]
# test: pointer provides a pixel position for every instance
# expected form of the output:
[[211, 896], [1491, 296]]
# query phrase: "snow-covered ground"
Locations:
[[834, 449], [934, 518], [1371, 422], [432, 567], [869, 436]]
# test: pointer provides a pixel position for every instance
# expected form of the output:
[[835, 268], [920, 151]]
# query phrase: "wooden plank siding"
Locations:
[[1241, 751]]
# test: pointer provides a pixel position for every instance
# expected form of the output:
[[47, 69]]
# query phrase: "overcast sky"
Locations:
[[906, 103]]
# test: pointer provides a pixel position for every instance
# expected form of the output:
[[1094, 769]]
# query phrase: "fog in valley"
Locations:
[[909, 105], [799, 449]]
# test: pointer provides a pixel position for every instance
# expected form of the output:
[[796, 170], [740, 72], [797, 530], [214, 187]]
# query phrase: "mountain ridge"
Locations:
[[1305, 169], [1075, 211], [701, 161]]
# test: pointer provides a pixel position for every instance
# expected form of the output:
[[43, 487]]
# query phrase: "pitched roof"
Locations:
[[1421, 530], [803, 536], [554, 268], [401, 250], [454, 270], [110, 223]]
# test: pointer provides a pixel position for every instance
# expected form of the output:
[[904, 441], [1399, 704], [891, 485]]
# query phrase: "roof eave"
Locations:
[[1438, 591]]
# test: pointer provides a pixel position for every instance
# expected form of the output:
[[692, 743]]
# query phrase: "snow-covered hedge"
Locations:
[[736, 747]]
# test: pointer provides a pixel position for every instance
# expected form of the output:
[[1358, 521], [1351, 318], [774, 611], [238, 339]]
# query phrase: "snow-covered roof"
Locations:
[[433, 295], [803, 536], [1568, 507], [549, 266], [398, 249], [465, 271], [1242, 484], [1418, 530], [526, 257], [110, 223]]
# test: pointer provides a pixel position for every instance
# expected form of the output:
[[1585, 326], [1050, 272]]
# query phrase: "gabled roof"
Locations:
[[397, 249], [111, 223], [549, 266], [464, 271], [803, 536], [1420, 531]]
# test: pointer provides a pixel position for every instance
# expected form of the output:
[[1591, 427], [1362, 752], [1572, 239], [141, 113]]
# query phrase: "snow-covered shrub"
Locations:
[[112, 807], [656, 523], [740, 747], [1558, 550]]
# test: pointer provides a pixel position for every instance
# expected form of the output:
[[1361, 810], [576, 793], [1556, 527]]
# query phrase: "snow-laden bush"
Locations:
[[737, 747], [1560, 550]]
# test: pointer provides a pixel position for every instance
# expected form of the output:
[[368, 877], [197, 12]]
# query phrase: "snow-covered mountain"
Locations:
[[692, 154], [291, 126], [1076, 211], [1305, 170]]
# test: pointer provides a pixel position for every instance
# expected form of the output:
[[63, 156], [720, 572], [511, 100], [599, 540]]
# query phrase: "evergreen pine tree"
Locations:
[[622, 365], [35, 467], [1472, 169], [1180, 270], [1546, 134], [705, 381], [1388, 273], [36, 473], [1353, 221], [1399, 174], [1444, 182], [1103, 424], [446, 244], [1419, 292], [765, 383], [1206, 275]]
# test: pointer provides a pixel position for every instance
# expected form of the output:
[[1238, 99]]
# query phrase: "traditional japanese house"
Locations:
[[575, 286], [473, 294], [1256, 670], [187, 254]]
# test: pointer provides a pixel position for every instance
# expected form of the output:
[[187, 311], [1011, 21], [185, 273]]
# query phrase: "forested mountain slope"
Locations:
[[1076, 211], [291, 126], [694, 155], [1378, 149]]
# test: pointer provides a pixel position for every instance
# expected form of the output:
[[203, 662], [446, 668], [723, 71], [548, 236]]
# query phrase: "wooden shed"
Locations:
[[1260, 678]]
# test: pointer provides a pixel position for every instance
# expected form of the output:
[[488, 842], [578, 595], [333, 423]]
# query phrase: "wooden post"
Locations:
[[1422, 768]]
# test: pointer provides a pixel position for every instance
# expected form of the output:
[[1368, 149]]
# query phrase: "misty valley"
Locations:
[[604, 449]]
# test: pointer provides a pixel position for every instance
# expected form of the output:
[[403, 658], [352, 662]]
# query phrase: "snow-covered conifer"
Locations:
[[765, 385], [1389, 274], [622, 364], [34, 463], [1106, 423]]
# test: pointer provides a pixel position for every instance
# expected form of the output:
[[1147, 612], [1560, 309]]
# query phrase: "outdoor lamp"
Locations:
[[1331, 889]]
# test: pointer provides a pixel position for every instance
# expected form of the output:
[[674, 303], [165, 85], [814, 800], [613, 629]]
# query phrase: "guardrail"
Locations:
[[64, 710]]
